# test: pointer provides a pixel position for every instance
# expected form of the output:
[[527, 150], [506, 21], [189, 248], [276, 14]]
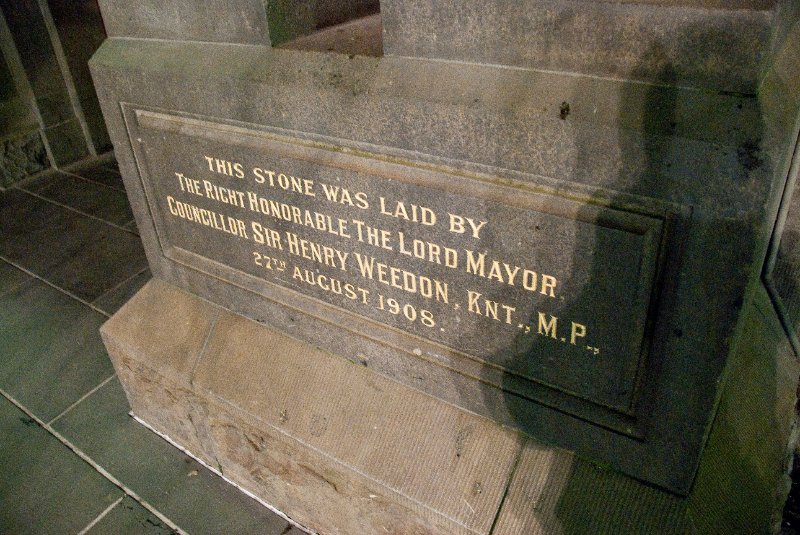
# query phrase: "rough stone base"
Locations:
[[341, 449], [21, 156]]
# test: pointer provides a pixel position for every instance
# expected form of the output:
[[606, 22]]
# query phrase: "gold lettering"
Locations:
[[578, 331], [457, 225], [331, 284], [208, 218], [321, 254], [490, 309], [343, 196], [411, 282], [412, 212], [548, 327]]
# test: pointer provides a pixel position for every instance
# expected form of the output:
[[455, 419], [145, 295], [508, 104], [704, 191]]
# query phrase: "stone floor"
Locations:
[[71, 458]]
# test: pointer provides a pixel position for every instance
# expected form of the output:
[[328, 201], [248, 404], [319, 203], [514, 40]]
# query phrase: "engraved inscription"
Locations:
[[552, 290]]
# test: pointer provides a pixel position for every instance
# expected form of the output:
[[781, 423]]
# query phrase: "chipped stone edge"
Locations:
[[218, 473]]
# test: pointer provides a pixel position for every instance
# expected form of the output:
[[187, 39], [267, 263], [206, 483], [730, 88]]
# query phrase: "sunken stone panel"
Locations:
[[484, 274]]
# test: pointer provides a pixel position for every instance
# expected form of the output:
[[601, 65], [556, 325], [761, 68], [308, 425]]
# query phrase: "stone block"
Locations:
[[555, 492], [629, 166], [329, 442], [66, 142], [253, 22], [702, 44], [154, 342], [427, 451], [289, 19], [243, 22], [21, 156]]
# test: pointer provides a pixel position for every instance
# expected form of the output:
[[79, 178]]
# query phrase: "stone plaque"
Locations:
[[554, 291], [570, 249]]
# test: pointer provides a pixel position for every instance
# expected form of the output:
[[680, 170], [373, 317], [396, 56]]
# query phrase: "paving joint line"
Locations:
[[60, 289], [218, 472], [91, 462], [100, 517], [83, 398], [95, 182], [119, 284], [72, 209], [13, 286]]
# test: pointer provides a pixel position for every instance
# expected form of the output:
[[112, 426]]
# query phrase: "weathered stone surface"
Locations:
[[21, 156], [343, 450], [783, 265], [362, 37], [555, 492], [155, 342], [623, 147], [292, 18], [178, 337], [242, 21], [81, 32], [669, 42], [649, 204], [453, 462], [167, 405], [325, 440], [33, 54], [750, 445]]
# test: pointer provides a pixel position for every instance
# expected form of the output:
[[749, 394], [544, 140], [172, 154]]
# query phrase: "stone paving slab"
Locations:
[[51, 353], [190, 495], [92, 198], [84, 256], [52, 362], [44, 487], [112, 300], [128, 517]]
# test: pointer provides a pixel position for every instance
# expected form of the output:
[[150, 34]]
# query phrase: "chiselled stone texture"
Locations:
[[362, 37], [555, 492], [241, 21], [292, 18], [420, 453], [341, 449], [158, 388], [331, 443], [21, 156]]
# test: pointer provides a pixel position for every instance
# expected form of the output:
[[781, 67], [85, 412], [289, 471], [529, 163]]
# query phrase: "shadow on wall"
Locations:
[[554, 491]]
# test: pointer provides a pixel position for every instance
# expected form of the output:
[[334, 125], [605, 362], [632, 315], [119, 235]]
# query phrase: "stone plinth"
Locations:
[[448, 261], [341, 449]]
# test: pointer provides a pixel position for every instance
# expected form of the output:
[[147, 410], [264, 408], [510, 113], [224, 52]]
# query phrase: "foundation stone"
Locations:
[[508, 277]]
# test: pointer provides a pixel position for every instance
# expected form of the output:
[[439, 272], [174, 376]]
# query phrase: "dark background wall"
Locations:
[[49, 114]]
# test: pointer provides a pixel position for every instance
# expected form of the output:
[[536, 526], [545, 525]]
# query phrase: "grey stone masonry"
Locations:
[[551, 216]]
